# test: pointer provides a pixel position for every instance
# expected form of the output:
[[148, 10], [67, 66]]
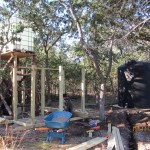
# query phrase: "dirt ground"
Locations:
[[124, 119], [75, 134]]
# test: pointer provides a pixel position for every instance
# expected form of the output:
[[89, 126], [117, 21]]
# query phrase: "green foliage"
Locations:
[[6, 33], [101, 21]]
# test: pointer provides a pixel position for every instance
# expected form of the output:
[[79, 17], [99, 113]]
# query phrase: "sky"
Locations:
[[1, 2]]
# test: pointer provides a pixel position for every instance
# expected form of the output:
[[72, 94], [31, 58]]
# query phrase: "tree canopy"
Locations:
[[101, 34]]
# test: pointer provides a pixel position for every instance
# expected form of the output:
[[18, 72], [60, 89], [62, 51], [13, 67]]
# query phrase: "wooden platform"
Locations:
[[9, 54]]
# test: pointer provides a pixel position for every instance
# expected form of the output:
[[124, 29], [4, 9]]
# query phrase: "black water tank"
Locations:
[[134, 84]]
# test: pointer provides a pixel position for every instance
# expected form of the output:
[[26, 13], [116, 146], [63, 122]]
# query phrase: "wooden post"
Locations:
[[111, 142], [64, 86], [61, 103], [83, 91], [118, 140], [23, 92], [15, 92], [109, 130], [42, 91], [33, 75]]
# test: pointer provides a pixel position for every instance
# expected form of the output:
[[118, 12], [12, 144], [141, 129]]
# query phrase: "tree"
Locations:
[[91, 53], [7, 32], [101, 25], [106, 29], [7, 35], [45, 20]]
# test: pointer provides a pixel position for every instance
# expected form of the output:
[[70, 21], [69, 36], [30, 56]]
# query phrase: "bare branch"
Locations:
[[146, 20], [84, 44], [55, 41], [110, 57]]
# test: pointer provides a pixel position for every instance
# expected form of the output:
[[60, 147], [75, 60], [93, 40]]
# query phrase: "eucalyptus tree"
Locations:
[[7, 32], [81, 14], [45, 18], [101, 25], [5, 38]]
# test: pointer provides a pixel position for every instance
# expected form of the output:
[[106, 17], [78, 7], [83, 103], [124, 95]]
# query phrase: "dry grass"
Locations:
[[11, 141]]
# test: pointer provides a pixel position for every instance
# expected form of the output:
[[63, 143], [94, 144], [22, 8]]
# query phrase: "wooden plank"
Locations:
[[61, 101], [83, 91], [109, 130], [28, 126], [10, 59], [76, 118], [64, 86], [33, 76], [15, 92], [23, 92], [22, 67], [148, 113], [23, 128], [47, 68], [42, 91], [111, 142], [81, 114], [50, 109], [7, 55], [88, 144], [22, 123], [117, 137]]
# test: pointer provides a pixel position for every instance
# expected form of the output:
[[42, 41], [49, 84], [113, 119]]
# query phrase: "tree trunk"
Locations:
[[102, 102], [97, 95], [93, 58], [48, 99], [112, 85]]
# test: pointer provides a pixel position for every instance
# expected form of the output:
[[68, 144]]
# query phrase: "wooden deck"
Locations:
[[9, 54]]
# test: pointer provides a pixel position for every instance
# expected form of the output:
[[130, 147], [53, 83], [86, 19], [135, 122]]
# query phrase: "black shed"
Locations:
[[134, 84]]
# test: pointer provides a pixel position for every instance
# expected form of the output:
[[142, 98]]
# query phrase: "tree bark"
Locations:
[[96, 91], [93, 58], [48, 98], [102, 102]]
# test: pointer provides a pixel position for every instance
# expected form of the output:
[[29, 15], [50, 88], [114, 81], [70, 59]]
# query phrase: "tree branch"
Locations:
[[110, 57], [55, 41], [84, 44], [146, 20]]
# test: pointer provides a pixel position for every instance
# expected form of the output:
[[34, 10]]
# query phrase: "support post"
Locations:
[[83, 91], [61, 102], [33, 75], [64, 86], [15, 92], [42, 91], [23, 92]]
